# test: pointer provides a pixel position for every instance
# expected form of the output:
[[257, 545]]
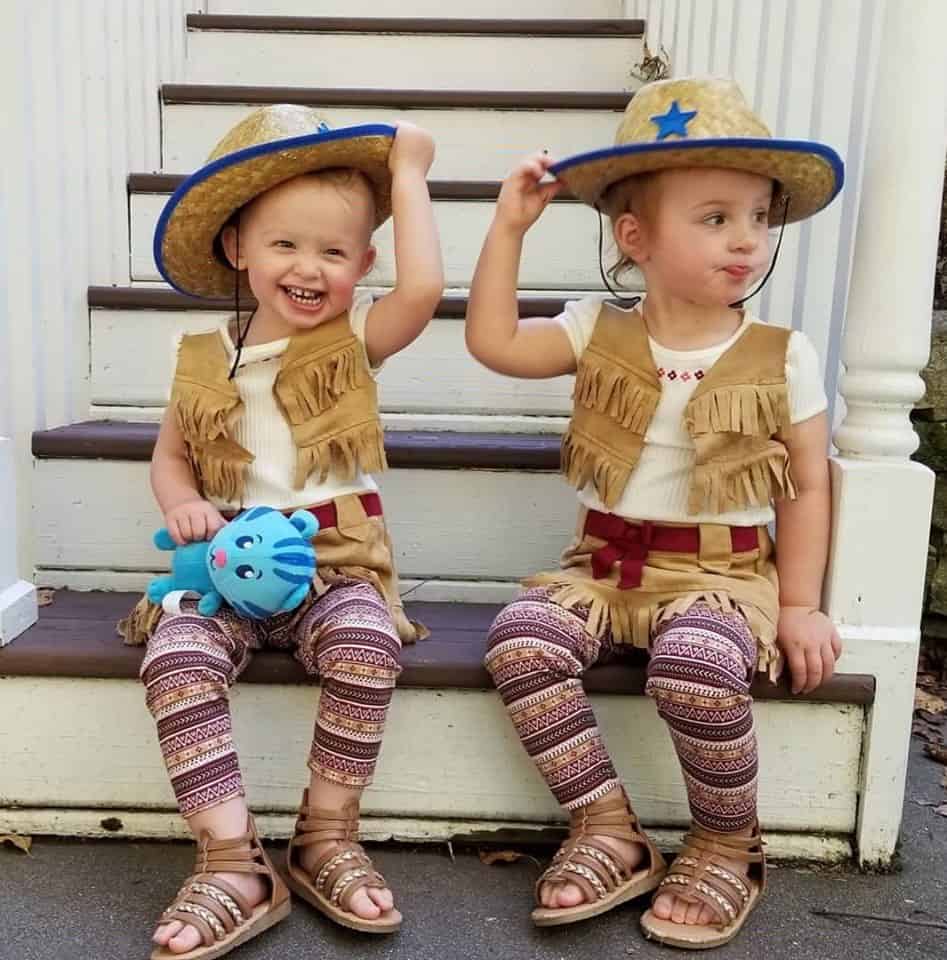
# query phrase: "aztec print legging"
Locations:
[[699, 675], [346, 637]]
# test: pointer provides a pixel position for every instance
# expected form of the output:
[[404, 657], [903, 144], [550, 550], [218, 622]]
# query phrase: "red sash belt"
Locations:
[[630, 543]]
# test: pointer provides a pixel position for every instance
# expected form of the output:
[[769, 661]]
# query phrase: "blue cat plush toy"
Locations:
[[261, 563]]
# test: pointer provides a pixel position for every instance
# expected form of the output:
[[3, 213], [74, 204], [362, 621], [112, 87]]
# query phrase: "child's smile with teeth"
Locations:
[[305, 245]]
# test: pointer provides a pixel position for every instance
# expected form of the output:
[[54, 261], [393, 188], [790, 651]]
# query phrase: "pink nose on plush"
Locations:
[[220, 559]]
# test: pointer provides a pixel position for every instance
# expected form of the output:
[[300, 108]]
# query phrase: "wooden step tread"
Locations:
[[75, 637], [210, 93], [569, 27], [438, 189], [165, 298], [416, 449]]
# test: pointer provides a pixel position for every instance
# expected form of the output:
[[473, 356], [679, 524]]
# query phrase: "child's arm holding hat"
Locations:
[[187, 515], [496, 334], [399, 317], [807, 636]]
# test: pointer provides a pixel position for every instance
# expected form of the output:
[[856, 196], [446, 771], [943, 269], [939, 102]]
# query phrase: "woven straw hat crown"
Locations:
[[270, 146], [705, 122]]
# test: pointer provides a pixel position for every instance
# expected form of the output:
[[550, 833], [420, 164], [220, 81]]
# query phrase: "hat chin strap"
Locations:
[[241, 334], [634, 301]]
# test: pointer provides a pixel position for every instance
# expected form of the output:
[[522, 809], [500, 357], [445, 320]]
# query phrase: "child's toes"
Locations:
[[185, 941], [383, 899], [662, 906], [679, 910], [166, 931], [364, 907], [694, 913]]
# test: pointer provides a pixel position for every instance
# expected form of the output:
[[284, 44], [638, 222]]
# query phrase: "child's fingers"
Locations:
[[828, 662], [813, 669], [199, 527], [836, 642], [174, 529], [797, 669]]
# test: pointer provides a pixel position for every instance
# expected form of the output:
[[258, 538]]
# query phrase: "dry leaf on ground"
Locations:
[[923, 700], [936, 751], [45, 596], [941, 811], [490, 857], [21, 843]]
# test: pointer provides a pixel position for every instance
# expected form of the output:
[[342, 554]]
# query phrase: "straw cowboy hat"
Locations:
[[705, 122], [271, 145]]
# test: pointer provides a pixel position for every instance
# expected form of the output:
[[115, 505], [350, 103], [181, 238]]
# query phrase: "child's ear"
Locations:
[[228, 240], [368, 261], [631, 238]]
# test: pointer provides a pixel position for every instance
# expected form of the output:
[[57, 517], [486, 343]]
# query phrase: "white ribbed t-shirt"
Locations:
[[262, 429], [659, 486]]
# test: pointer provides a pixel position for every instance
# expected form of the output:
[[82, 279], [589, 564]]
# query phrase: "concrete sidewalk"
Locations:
[[98, 901]]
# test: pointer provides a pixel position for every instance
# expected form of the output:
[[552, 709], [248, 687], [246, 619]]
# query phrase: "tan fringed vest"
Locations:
[[733, 416], [324, 390]]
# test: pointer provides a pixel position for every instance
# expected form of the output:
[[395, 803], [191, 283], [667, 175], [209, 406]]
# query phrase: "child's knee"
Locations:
[[359, 657]]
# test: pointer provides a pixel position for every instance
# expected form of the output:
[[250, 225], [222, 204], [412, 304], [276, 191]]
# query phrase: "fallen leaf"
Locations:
[[936, 751], [941, 811], [928, 701], [21, 843], [45, 597], [490, 857]]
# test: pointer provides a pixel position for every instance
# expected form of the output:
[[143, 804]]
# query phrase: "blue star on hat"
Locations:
[[674, 121]]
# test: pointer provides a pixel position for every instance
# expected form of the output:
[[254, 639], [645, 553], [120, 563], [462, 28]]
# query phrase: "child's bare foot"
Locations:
[[556, 894], [181, 937], [680, 909], [369, 903]]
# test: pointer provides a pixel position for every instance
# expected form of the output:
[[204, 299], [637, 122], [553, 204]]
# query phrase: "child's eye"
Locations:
[[762, 216], [285, 244], [244, 543], [714, 220], [246, 572], [335, 252]]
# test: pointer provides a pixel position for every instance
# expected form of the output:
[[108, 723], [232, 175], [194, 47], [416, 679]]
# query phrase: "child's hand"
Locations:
[[413, 149], [811, 644], [522, 197], [193, 520]]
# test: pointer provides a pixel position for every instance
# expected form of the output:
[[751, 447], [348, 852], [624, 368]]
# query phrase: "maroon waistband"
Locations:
[[630, 543], [328, 515]]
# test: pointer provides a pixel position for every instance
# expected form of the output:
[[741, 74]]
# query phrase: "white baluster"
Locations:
[[17, 597]]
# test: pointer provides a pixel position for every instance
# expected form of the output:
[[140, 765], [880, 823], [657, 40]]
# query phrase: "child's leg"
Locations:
[[536, 654], [349, 639], [699, 675], [188, 668]]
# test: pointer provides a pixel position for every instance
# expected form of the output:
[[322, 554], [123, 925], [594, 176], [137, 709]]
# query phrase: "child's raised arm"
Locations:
[[399, 317], [187, 515], [807, 637], [496, 335]]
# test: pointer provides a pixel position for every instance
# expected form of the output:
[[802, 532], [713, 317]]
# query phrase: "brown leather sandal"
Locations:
[[601, 875], [344, 867], [220, 913], [700, 876]]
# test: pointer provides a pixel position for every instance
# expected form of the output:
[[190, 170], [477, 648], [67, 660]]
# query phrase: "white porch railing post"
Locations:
[[17, 597], [882, 500]]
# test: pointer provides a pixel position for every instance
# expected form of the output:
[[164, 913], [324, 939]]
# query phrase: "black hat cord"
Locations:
[[241, 334]]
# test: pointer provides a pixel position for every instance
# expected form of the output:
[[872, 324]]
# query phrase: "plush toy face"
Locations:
[[263, 562]]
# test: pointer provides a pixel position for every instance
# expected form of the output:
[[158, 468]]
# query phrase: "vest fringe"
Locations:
[[309, 389], [220, 472], [754, 410], [613, 390], [360, 447], [202, 412], [737, 485], [138, 626], [584, 461]]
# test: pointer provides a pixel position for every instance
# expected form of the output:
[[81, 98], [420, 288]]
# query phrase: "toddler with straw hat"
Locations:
[[694, 426], [277, 407]]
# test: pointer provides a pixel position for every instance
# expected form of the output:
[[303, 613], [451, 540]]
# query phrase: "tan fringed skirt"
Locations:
[[671, 583], [356, 548]]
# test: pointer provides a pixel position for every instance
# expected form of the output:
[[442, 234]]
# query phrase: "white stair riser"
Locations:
[[472, 144], [466, 524], [429, 61], [133, 359], [482, 9], [561, 251], [447, 753]]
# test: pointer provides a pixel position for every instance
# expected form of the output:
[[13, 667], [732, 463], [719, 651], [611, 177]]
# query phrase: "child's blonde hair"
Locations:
[[626, 196]]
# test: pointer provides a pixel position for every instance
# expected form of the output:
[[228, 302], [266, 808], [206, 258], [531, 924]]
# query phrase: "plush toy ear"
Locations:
[[163, 541], [305, 523], [296, 597], [159, 587], [209, 604]]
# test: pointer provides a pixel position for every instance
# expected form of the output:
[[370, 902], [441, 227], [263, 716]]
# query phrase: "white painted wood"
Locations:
[[137, 824], [412, 61], [491, 524], [561, 251], [133, 363], [471, 144], [896, 247], [486, 9], [17, 597], [448, 754]]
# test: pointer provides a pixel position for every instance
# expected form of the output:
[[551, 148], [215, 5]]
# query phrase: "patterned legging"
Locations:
[[346, 637], [699, 675]]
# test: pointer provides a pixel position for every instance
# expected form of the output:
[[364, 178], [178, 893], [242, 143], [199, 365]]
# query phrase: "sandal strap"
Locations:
[[210, 905], [242, 854], [343, 870], [318, 824]]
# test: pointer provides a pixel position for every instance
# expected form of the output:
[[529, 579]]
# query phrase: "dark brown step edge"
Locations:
[[418, 449], [157, 298], [76, 637], [577, 27], [201, 93], [438, 189]]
